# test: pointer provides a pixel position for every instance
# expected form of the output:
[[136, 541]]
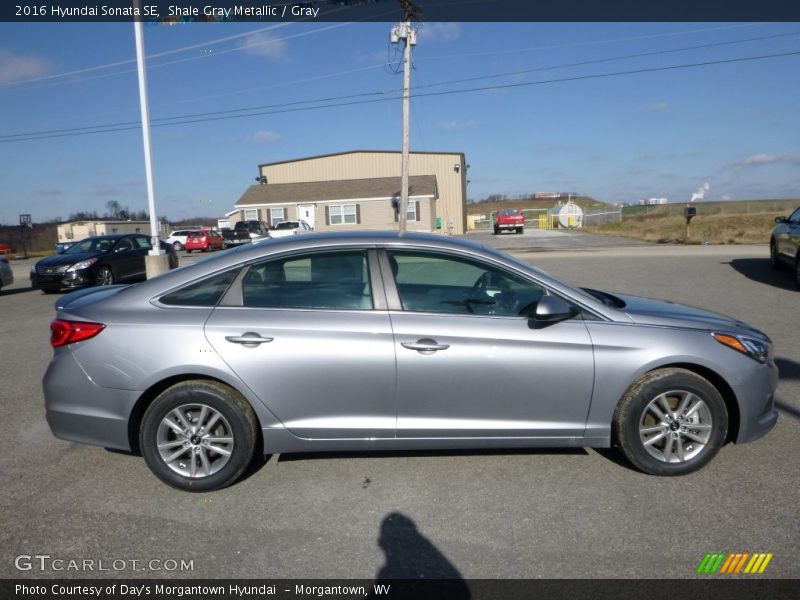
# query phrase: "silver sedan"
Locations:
[[371, 341]]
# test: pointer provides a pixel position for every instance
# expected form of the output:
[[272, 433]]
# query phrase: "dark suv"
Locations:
[[256, 229], [784, 245]]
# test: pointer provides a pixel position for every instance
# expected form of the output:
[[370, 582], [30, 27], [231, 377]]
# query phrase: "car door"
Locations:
[[469, 366], [128, 259], [310, 335]]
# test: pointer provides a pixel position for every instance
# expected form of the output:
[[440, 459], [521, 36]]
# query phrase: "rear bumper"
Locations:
[[78, 410]]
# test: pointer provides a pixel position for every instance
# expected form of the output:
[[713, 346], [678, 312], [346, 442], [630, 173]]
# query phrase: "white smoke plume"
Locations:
[[701, 192]]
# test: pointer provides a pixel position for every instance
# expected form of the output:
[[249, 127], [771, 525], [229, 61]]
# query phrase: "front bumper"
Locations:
[[757, 412], [58, 281]]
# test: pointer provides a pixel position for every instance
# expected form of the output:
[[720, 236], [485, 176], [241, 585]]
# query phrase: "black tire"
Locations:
[[235, 420], [520, 230], [178, 246], [774, 259], [670, 450], [496, 230], [797, 271], [105, 276]]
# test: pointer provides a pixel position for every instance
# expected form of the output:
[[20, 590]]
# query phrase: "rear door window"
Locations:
[[321, 280]]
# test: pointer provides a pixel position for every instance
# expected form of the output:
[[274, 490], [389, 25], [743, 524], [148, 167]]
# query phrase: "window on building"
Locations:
[[412, 211], [251, 214], [276, 215], [342, 214]]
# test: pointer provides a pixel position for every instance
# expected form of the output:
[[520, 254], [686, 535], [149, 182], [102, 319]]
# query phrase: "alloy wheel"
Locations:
[[105, 276], [195, 440], [675, 426]]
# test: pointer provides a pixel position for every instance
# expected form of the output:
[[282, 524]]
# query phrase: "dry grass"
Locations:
[[746, 228]]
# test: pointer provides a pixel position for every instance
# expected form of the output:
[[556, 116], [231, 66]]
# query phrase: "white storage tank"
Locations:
[[570, 215]]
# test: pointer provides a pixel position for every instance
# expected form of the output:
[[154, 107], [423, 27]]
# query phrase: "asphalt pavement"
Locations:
[[515, 514]]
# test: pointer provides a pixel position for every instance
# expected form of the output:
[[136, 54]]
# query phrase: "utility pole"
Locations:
[[404, 31]]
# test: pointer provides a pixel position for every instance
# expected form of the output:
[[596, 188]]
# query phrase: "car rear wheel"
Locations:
[[105, 276], [198, 436], [670, 422], [774, 260], [178, 246]]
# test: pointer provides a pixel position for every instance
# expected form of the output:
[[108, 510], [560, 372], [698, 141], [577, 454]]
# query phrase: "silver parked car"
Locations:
[[370, 341], [6, 274], [784, 244]]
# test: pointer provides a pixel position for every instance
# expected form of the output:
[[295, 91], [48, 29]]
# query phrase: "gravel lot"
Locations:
[[570, 513]]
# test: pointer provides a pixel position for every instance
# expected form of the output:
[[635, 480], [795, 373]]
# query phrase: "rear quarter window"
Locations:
[[206, 292]]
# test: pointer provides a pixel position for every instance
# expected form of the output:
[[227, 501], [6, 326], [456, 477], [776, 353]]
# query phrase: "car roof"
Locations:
[[316, 241]]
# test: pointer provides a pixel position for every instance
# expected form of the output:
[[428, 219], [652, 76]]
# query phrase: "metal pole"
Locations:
[[403, 216], [148, 159]]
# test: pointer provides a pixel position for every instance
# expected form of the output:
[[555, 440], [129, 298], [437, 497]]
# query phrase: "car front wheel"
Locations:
[[105, 276], [774, 261], [670, 422], [797, 271], [198, 436]]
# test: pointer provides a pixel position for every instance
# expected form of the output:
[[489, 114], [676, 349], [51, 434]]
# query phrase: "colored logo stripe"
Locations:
[[734, 563]]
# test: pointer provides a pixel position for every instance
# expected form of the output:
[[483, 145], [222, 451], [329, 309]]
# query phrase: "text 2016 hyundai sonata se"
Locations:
[[372, 341]]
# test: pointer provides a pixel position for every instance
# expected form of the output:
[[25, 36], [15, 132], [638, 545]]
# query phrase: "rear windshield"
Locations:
[[287, 225], [508, 212]]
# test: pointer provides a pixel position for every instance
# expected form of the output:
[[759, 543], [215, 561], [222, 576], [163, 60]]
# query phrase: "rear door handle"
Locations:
[[425, 345], [248, 339]]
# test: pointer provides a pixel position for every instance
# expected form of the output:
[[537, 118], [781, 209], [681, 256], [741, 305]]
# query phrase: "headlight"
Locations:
[[756, 349], [82, 265]]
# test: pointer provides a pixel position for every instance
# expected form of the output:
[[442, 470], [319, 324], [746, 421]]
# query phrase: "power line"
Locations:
[[218, 117], [384, 92]]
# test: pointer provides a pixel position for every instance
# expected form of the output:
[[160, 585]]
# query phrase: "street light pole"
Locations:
[[158, 263]]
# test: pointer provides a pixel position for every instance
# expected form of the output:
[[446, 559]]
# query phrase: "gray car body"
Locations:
[[341, 380], [786, 238], [6, 274]]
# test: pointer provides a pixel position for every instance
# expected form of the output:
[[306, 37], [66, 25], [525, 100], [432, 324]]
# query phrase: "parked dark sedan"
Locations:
[[784, 244], [99, 260]]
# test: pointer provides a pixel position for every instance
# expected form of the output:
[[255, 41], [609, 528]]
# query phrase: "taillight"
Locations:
[[69, 332]]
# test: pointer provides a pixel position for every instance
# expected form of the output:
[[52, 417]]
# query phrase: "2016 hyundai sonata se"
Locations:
[[370, 341]]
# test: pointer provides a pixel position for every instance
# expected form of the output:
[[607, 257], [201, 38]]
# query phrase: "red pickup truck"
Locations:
[[507, 219]]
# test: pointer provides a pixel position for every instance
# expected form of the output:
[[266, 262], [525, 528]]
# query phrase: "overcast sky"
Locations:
[[545, 123]]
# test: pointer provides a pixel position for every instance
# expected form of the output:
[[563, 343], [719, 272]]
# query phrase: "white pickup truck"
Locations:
[[286, 228]]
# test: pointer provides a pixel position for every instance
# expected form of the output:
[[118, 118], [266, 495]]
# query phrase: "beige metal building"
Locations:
[[360, 190], [78, 230]]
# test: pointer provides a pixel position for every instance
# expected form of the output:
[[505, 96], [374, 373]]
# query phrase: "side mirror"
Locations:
[[780, 220], [552, 309]]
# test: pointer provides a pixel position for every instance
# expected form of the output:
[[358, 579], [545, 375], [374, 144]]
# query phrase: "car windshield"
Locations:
[[508, 212], [93, 244]]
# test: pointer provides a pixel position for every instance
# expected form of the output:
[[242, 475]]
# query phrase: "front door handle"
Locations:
[[248, 339], [425, 345]]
